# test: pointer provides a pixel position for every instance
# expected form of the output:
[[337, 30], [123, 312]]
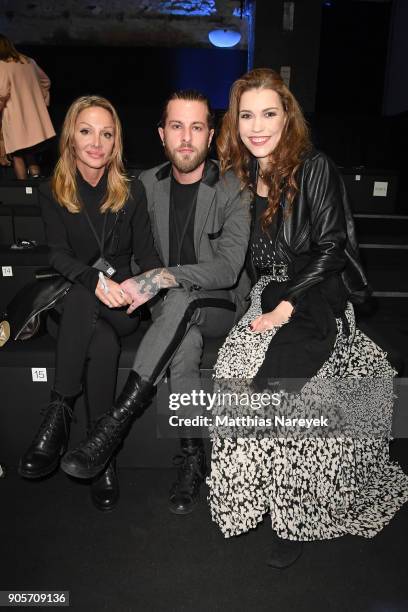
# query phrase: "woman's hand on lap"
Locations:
[[115, 297], [278, 316]]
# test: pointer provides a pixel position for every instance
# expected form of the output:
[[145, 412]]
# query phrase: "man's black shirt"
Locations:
[[183, 200]]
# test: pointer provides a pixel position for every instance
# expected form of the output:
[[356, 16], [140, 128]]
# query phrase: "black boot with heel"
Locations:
[[184, 494], [284, 553], [43, 455]]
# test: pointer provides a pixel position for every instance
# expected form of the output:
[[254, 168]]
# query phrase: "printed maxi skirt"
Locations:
[[315, 487]]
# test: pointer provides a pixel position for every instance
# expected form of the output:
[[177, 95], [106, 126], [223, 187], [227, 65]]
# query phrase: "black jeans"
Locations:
[[88, 347]]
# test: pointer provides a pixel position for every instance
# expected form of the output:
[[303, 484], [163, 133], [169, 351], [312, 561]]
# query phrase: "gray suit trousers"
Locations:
[[175, 339]]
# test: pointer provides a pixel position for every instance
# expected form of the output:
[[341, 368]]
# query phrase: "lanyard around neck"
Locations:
[[101, 240]]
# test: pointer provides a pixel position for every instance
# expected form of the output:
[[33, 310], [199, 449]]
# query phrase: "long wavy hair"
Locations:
[[64, 184], [8, 52], [288, 154]]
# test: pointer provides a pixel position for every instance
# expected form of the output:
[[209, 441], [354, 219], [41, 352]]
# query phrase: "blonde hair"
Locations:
[[289, 152], [64, 185]]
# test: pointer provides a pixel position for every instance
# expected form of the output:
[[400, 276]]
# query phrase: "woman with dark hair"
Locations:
[[24, 97], [304, 262], [95, 219]]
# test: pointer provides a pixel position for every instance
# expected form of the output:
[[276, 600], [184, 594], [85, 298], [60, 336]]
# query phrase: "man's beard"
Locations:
[[185, 163]]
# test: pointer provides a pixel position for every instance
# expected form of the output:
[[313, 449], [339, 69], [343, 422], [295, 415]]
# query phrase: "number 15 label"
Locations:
[[39, 374]]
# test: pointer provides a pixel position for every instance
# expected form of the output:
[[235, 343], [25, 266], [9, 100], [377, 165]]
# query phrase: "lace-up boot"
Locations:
[[51, 440], [184, 493], [94, 453]]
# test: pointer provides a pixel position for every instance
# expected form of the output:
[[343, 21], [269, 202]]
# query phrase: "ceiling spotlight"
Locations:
[[224, 38]]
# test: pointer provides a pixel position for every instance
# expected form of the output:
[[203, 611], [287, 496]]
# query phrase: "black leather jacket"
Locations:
[[319, 232]]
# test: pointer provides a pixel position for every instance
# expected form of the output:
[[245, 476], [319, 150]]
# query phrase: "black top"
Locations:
[[263, 242], [92, 197], [73, 247], [183, 200]]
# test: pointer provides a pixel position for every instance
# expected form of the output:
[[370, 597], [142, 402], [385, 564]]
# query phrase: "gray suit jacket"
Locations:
[[221, 230]]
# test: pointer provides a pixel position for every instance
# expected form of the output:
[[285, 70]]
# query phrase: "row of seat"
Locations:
[[27, 368]]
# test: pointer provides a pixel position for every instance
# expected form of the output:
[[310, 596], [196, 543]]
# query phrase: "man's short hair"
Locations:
[[192, 95]]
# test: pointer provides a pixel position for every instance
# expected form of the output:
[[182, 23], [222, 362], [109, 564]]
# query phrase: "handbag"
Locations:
[[24, 311]]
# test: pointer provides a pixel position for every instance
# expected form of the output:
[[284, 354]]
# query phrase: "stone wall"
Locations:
[[168, 23]]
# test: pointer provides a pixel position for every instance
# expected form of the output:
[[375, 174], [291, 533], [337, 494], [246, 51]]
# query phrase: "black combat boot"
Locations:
[[93, 454], [184, 493], [105, 488], [51, 440], [284, 553]]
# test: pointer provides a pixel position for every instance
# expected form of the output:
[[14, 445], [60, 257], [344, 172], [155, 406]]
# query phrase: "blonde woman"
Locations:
[[95, 220], [24, 97]]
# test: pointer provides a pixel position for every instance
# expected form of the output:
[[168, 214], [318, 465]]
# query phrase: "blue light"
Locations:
[[193, 8], [237, 13], [224, 38]]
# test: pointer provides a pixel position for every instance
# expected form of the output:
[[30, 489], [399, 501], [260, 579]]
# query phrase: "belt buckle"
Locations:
[[279, 270]]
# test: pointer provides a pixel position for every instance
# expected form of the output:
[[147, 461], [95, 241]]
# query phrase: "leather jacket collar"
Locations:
[[319, 227]]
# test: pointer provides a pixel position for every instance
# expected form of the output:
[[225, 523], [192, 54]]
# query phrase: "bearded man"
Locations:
[[201, 224]]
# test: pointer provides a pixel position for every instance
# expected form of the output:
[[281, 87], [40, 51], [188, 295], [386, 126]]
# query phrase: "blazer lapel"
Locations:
[[206, 195], [205, 198], [161, 197]]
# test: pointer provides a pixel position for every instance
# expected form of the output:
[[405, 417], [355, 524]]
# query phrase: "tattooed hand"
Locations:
[[144, 287]]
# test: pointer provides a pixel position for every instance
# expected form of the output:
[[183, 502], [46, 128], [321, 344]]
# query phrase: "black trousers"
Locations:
[[88, 347]]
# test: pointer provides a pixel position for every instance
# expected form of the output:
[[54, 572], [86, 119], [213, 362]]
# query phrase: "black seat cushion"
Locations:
[[40, 351]]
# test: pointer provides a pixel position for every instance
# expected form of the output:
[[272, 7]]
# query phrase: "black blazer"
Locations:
[[73, 248]]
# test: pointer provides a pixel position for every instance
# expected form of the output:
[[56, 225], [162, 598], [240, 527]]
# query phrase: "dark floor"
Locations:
[[142, 558]]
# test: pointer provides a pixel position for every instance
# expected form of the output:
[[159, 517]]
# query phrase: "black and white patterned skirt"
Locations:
[[313, 488]]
